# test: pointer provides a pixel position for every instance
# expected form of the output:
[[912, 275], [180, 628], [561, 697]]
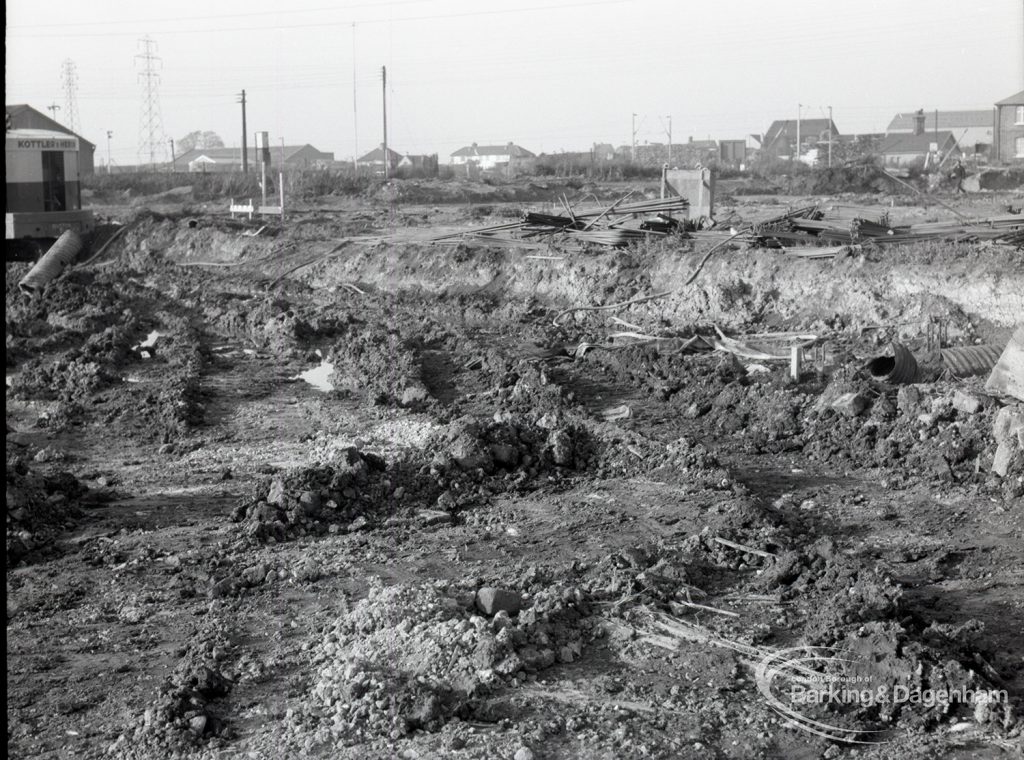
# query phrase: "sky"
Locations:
[[549, 75]]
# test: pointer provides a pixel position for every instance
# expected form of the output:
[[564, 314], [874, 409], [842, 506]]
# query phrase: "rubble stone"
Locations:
[[966, 403], [850, 404]]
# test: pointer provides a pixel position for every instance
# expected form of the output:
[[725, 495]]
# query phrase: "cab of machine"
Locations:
[[44, 196]]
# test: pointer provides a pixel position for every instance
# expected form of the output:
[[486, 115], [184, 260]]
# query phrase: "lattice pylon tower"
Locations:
[[69, 81], [152, 146]]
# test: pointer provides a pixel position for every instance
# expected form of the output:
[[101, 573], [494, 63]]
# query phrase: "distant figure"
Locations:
[[958, 173]]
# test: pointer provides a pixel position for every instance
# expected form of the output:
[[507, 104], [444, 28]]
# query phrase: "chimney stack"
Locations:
[[919, 122]]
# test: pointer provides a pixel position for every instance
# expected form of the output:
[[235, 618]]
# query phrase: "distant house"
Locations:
[[22, 116], [230, 159], [1009, 137], [781, 138], [900, 150], [490, 156], [973, 130], [375, 159]]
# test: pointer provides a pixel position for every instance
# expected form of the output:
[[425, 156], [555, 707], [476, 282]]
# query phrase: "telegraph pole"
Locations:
[[669, 139], [799, 108], [171, 143], [384, 90], [632, 152], [355, 115], [830, 137], [110, 134], [245, 137]]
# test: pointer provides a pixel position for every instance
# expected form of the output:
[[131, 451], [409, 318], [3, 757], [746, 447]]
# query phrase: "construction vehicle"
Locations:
[[44, 196]]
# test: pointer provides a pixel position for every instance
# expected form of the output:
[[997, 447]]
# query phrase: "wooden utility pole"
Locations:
[[632, 152], [355, 113], [171, 141], [796, 153], [669, 139], [384, 90], [830, 137], [245, 138]]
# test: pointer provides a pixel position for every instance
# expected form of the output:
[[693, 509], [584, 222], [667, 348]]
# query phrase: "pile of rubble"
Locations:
[[39, 505], [411, 657], [182, 717]]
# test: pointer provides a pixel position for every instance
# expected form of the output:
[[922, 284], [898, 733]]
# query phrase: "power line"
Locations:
[[320, 24], [291, 11], [151, 129]]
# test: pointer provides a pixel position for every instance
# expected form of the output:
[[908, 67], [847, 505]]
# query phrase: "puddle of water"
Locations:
[[319, 376]]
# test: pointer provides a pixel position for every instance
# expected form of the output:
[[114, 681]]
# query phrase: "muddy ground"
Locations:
[[329, 490]]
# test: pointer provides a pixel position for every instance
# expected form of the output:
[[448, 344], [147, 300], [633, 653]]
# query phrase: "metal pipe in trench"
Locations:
[[52, 263]]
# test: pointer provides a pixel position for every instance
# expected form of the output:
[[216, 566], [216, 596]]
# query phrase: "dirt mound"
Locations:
[[273, 322], [311, 499], [76, 346], [380, 363], [183, 717], [856, 610], [466, 463], [40, 505], [936, 431], [411, 657]]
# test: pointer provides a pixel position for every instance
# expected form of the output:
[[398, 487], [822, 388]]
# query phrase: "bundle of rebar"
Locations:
[[615, 226], [810, 227]]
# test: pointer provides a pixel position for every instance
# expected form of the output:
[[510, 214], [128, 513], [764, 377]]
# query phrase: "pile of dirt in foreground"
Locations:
[[855, 610], [182, 716], [40, 505], [851, 612], [411, 657]]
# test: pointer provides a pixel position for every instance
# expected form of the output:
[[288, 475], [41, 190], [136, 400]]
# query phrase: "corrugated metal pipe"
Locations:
[[52, 263], [968, 361], [899, 369]]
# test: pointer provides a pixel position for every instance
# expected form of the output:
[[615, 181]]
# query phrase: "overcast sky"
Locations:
[[550, 75]]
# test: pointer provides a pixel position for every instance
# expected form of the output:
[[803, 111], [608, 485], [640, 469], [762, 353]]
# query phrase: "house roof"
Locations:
[[377, 154], [903, 143], [1013, 100], [698, 144], [235, 154], [788, 128], [509, 149], [947, 120], [213, 154], [14, 110]]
